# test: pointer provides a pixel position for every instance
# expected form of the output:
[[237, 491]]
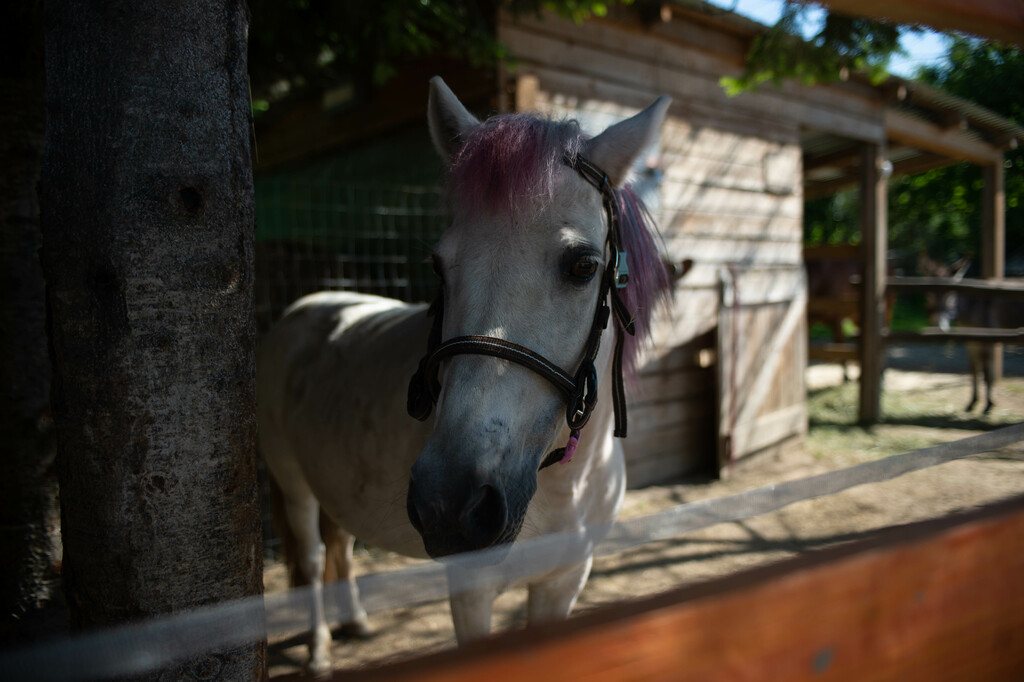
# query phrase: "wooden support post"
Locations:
[[993, 239], [875, 171]]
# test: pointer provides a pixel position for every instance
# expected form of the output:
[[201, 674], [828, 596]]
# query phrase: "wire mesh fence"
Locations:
[[332, 234], [362, 221]]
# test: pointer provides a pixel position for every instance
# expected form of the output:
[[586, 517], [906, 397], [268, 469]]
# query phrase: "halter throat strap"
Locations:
[[579, 388]]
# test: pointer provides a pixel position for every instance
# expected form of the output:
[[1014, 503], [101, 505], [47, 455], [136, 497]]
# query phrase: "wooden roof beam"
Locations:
[[843, 158], [918, 164], [1001, 20], [848, 157], [921, 164], [927, 136]]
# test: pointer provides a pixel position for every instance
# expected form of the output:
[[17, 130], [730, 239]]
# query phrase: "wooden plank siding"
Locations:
[[730, 196], [607, 53]]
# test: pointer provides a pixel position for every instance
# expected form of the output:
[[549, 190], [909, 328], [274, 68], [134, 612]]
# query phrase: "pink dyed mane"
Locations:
[[511, 158], [508, 159], [649, 281]]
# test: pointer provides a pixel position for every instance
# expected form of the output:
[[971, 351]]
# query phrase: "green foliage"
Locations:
[[295, 44], [832, 220], [843, 44], [940, 211], [992, 76]]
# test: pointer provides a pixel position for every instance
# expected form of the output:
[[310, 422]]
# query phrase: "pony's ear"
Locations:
[[448, 119], [615, 150]]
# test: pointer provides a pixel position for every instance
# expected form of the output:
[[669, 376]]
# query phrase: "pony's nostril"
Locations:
[[484, 518]]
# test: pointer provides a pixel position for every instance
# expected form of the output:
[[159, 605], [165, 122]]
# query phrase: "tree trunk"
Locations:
[[148, 257], [29, 519]]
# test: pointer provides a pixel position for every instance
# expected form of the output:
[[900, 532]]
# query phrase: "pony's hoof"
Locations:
[[319, 666], [357, 629]]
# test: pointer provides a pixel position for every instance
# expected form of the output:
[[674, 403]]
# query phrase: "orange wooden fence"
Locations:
[[939, 600]]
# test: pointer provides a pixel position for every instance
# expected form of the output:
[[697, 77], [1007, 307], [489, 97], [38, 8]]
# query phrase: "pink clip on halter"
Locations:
[[570, 447]]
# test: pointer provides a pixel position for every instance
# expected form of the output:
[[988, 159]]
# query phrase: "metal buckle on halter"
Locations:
[[577, 412], [620, 269]]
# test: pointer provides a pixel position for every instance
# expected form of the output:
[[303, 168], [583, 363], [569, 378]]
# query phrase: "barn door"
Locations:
[[762, 354]]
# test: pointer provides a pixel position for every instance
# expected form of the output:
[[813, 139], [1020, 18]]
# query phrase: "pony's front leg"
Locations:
[[471, 614], [339, 544], [303, 518], [553, 599]]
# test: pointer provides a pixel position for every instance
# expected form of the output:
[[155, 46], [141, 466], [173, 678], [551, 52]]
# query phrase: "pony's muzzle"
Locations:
[[449, 525]]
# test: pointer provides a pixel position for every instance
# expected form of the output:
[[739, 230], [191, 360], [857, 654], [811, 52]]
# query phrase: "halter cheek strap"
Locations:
[[579, 388]]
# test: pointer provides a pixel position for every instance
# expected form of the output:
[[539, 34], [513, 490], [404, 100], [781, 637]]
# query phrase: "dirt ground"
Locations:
[[922, 405]]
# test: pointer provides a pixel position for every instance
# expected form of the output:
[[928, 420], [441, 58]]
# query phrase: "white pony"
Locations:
[[517, 350]]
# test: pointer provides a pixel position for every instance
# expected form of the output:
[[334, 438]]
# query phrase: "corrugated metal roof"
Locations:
[[921, 95]]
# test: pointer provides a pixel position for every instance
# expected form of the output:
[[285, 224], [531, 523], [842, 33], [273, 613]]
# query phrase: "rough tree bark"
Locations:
[[29, 521], [147, 221]]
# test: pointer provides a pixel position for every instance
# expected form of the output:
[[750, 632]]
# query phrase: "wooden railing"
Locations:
[[1012, 290], [938, 600]]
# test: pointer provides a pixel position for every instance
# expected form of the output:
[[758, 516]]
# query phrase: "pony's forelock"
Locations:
[[510, 161]]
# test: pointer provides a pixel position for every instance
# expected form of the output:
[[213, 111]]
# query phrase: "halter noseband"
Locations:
[[578, 388]]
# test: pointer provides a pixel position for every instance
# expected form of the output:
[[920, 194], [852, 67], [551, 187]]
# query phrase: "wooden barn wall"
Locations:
[[730, 198]]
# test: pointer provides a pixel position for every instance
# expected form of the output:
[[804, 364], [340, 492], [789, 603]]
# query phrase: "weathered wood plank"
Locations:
[[930, 137], [828, 252], [706, 275], [685, 197], [712, 144], [874, 235], [658, 49], [656, 416], [1012, 289], [766, 253], [585, 89], [833, 306], [613, 38], [742, 172], [929, 601], [979, 334], [834, 352], [749, 428], [755, 434], [710, 225], [1001, 20], [669, 454], [593, 68], [671, 385]]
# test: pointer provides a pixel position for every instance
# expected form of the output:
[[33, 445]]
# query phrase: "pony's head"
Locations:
[[523, 262]]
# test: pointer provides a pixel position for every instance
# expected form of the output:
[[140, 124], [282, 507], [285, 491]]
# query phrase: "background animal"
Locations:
[[834, 273], [993, 313], [972, 309]]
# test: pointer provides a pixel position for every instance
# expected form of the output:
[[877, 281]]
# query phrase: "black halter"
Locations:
[[579, 388]]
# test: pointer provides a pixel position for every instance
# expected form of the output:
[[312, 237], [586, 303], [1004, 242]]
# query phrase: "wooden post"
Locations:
[[993, 240], [875, 171]]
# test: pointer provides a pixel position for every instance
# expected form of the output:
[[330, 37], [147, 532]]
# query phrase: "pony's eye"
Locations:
[[584, 269]]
